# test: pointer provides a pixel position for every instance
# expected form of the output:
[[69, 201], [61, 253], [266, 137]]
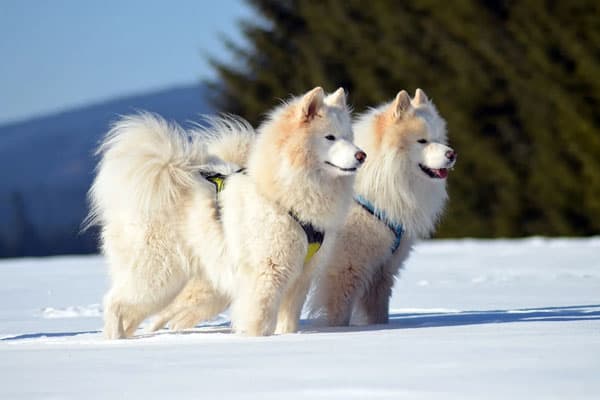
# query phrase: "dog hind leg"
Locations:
[[341, 290], [113, 318], [136, 296], [198, 301], [133, 319], [121, 317], [191, 316]]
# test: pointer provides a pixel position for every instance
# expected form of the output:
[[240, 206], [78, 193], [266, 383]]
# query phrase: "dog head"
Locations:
[[413, 130], [314, 132], [304, 158]]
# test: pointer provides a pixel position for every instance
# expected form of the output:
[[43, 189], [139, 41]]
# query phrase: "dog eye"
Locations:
[[330, 137], [422, 141]]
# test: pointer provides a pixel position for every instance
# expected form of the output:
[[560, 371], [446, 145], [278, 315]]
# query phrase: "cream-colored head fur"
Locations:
[[304, 159], [405, 172]]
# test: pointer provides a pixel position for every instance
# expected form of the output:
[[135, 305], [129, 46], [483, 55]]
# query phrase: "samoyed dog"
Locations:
[[400, 193], [165, 218]]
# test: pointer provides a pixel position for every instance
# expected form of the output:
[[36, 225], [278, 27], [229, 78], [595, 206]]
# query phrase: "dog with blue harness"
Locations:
[[400, 193]]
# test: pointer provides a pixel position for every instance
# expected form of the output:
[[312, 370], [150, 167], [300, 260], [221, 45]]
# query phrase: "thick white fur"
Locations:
[[357, 281], [147, 171], [228, 138], [356, 284], [162, 224]]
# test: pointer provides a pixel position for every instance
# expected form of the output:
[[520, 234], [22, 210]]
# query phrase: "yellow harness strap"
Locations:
[[218, 181], [313, 236], [312, 249]]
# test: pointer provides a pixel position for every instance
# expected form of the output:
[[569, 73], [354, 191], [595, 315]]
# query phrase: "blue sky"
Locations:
[[65, 53]]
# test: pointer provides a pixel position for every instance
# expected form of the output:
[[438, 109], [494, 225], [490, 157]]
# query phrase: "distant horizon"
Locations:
[[67, 54], [100, 101]]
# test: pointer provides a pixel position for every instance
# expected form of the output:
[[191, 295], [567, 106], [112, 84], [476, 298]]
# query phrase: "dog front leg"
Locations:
[[293, 300], [342, 288], [254, 310], [375, 301]]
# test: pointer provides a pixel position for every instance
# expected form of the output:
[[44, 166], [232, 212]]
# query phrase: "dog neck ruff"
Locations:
[[313, 236], [396, 228]]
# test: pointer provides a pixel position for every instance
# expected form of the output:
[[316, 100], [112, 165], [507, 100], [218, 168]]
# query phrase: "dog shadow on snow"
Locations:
[[140, 334], [397, 320]]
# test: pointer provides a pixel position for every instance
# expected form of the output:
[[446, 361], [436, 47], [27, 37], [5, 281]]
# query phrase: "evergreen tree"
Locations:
[[518, 82]]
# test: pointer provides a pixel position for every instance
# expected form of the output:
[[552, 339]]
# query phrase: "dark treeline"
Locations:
[[21, 237], [517, 81]]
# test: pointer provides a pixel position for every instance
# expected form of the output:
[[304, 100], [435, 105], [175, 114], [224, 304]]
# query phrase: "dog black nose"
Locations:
[[360, 156], [451, 155]]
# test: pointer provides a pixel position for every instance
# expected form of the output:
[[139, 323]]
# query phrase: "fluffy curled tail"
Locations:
[[146, 165], [228, 138]]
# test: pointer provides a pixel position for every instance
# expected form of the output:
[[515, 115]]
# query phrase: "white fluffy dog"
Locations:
[[400, 193], [164, 223]]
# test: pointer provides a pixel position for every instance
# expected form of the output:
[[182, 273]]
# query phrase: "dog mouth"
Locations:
[[340, 168], [435, 173]]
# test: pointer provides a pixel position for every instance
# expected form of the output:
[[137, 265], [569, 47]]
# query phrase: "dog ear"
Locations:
[[420, 97], [401, 104], [337, 98], [311, 103]]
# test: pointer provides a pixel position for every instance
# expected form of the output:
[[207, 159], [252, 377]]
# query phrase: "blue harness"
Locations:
[[397, 229]]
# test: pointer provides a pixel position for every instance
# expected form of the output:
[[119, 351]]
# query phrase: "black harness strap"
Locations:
[[312, 234], [314, 237]]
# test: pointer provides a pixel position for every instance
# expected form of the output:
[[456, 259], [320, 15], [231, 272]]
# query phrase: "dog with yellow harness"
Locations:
[[199, 301], [164, 220]]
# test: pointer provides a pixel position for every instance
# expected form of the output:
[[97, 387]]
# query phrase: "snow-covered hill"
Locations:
[[470, 320], [47, 163]]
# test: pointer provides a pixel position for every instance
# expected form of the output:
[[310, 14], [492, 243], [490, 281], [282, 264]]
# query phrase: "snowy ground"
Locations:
[[470, 320]]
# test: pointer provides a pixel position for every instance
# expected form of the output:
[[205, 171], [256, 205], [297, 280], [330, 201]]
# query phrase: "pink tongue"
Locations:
[[442, 172]]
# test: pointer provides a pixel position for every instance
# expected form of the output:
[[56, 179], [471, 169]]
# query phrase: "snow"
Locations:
[[470, 319]]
